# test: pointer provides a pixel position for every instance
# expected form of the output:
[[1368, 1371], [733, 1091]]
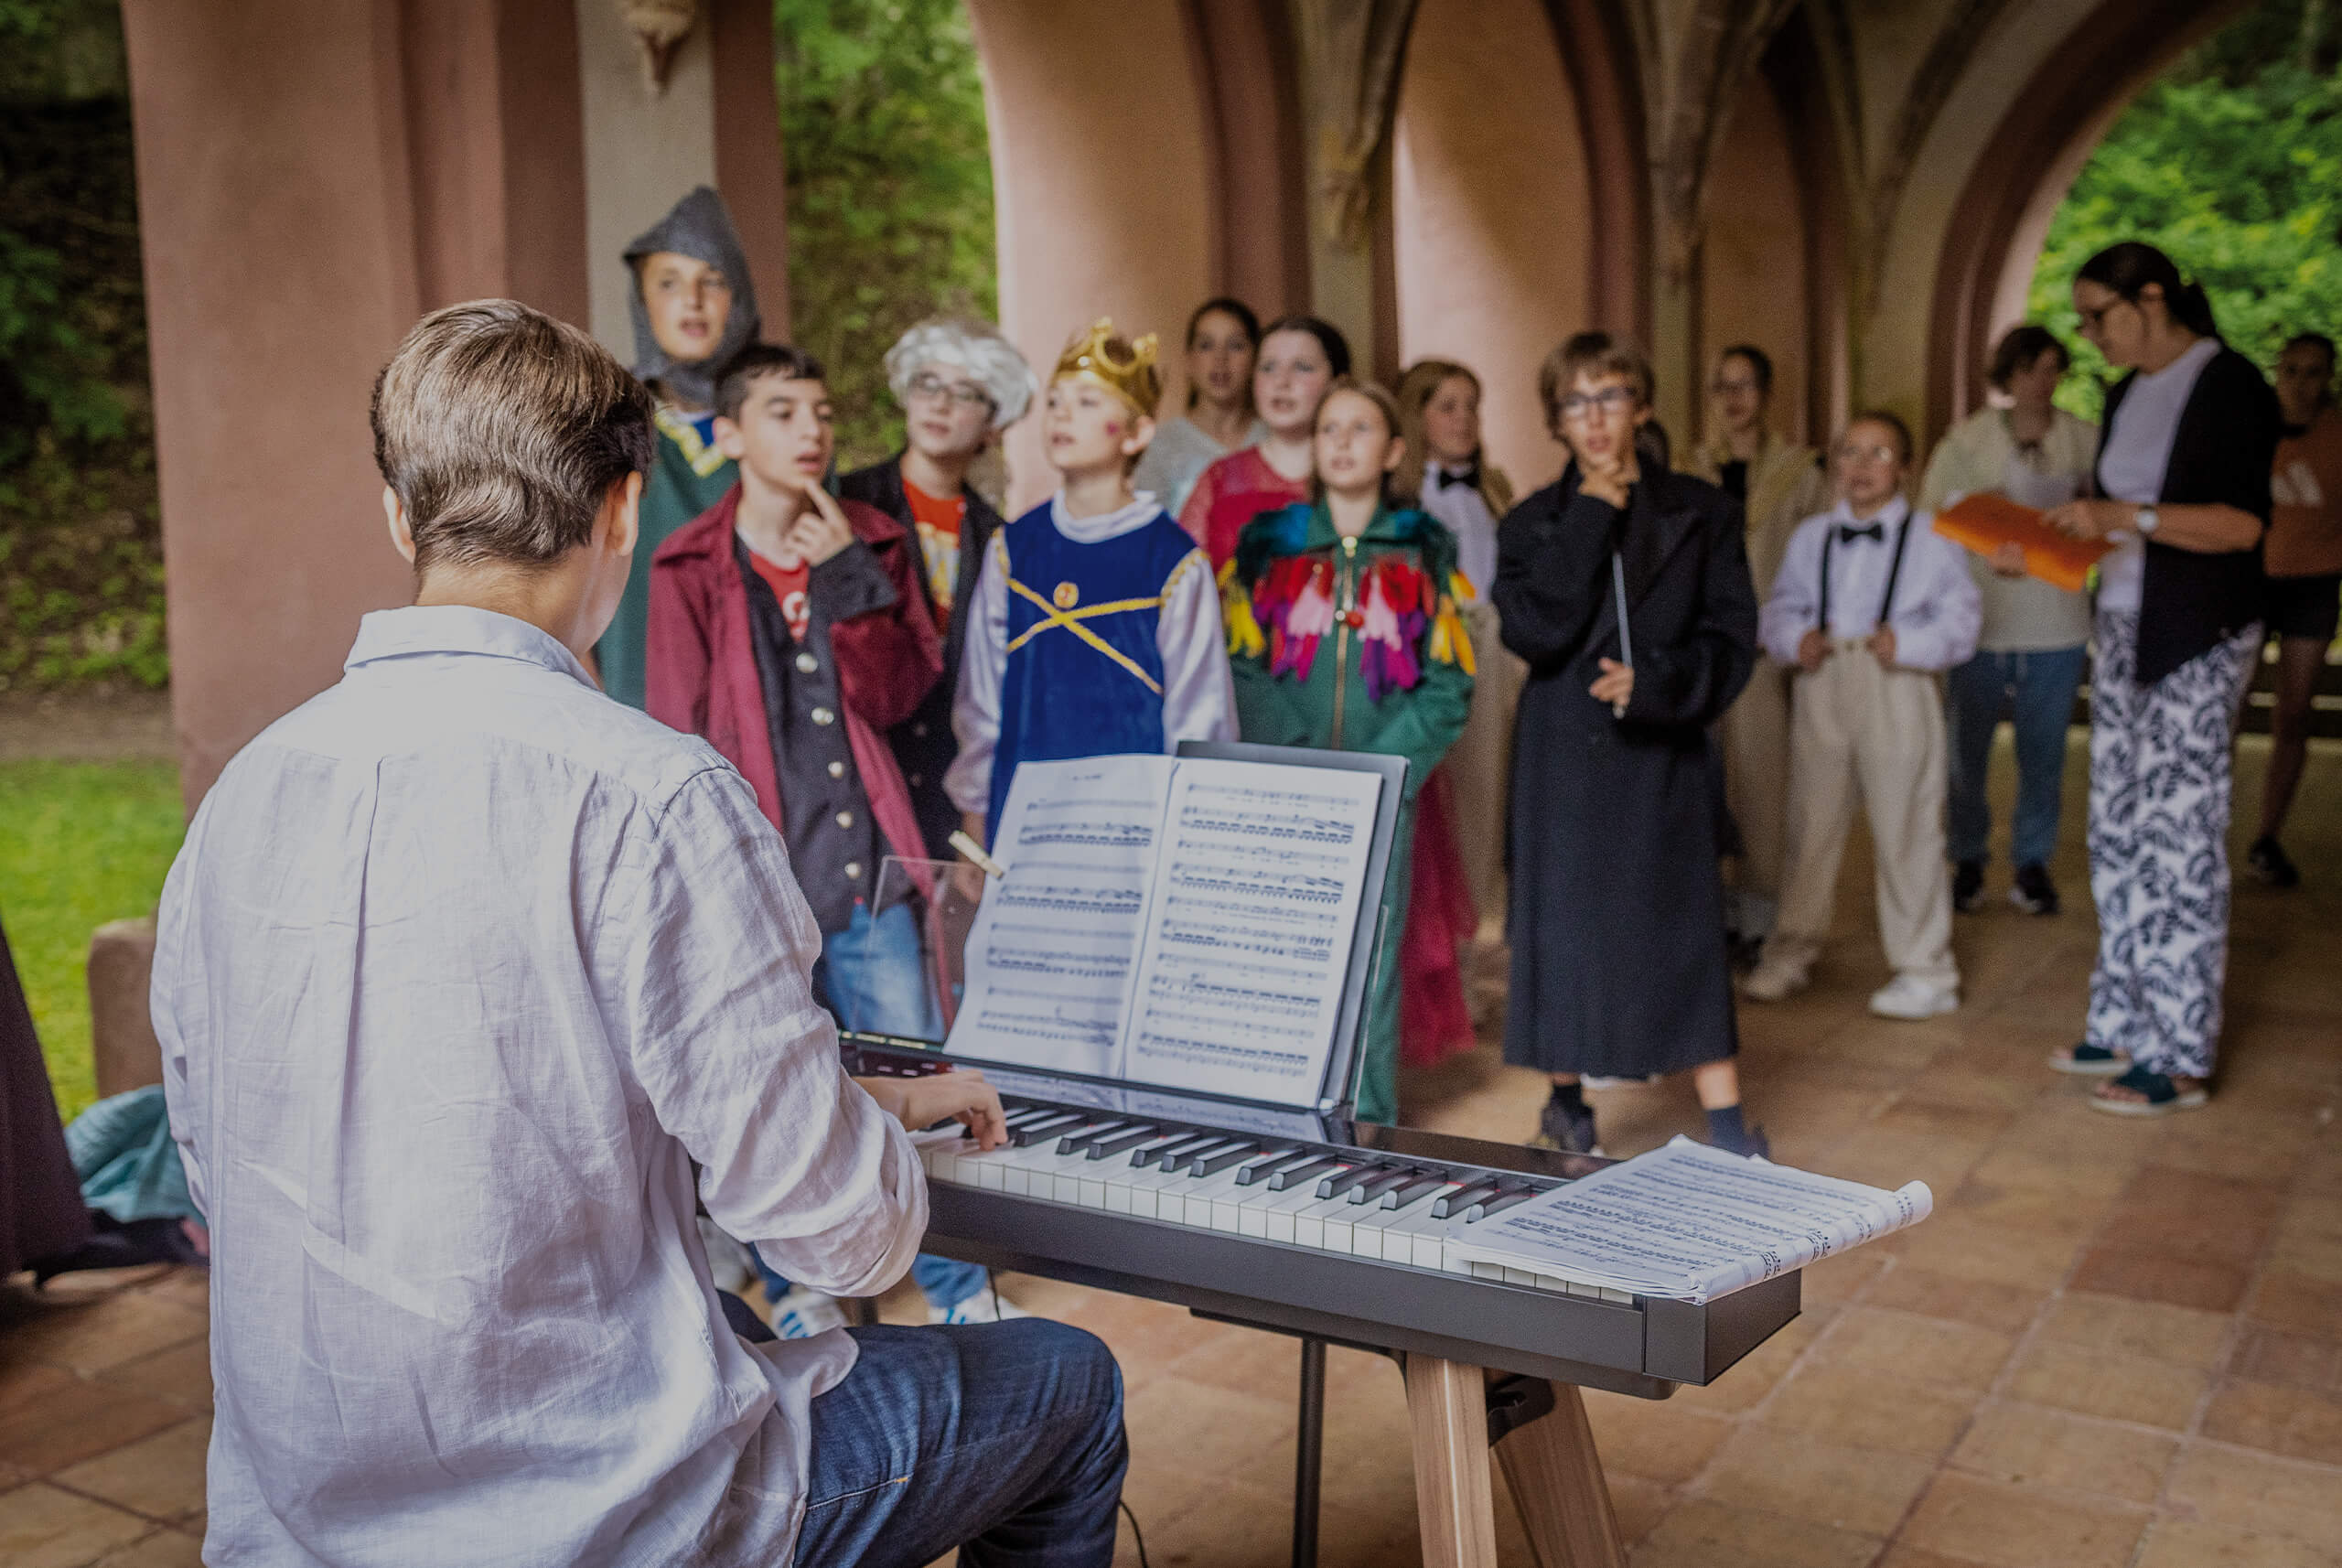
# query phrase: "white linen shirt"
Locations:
[[1466, 513], [1199, 691], [461, 969], [1937, 609]]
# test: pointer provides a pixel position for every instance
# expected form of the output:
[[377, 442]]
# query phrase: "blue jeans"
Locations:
[[1002, 1439], [874, 977], [2040, 687]]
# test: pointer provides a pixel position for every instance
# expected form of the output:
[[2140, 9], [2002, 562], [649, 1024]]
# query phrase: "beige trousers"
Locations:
[[1858, 727], [1756, 777], [1480, 763]]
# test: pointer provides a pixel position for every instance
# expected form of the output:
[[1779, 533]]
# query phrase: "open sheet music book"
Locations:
[[1184, 923], [1691, 1223]]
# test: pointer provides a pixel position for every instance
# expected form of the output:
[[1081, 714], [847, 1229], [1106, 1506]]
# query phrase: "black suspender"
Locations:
[[1893, 574]]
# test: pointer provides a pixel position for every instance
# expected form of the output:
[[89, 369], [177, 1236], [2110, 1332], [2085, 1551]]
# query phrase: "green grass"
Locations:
[[80, 844]]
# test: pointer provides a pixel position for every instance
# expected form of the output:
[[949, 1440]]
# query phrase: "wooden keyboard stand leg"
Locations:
[[1447, 1407], [1555, 1476]]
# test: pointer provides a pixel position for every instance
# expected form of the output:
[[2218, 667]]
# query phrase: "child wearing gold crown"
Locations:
[[1095, 624]]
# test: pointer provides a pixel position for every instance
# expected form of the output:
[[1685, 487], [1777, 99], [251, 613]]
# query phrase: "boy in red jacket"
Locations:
[[788, 629]]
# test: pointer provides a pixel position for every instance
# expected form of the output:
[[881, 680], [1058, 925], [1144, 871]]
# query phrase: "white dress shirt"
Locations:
[[1466, 513], [2137, 454], [1937, 609], [462, 968], [1199, 692]]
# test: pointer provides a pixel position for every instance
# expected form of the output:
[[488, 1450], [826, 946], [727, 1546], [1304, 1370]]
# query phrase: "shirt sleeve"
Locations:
[[975, 706], [1796, 599], [1199, 692], [741, 1066], [176, 1003], [1936, 626]]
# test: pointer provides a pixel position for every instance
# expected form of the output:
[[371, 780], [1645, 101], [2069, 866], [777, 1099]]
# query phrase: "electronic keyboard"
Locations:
[[1301, 1222]]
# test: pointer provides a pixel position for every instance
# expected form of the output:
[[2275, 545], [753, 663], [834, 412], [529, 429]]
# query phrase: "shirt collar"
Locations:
[[425, 629], [1888, 517]]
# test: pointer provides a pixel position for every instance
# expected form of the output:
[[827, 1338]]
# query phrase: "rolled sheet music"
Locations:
[[1689, 1222]]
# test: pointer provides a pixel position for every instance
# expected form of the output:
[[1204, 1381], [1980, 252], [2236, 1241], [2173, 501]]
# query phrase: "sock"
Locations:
[[1726, 1131], [1569, 1097]]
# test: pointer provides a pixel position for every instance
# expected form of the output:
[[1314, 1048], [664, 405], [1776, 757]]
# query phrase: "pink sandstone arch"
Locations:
[[1491, 211]]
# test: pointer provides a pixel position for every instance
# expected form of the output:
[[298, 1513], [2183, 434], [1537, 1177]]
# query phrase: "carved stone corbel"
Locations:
[[659, 27]]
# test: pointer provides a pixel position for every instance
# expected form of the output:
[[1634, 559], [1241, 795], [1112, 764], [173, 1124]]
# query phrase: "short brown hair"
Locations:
[[2020, 349], [1892, 423], [1591, 353], [502, 430], [755, 362]]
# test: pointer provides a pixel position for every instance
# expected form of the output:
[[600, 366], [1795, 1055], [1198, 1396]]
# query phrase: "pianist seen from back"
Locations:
[[465, 971]]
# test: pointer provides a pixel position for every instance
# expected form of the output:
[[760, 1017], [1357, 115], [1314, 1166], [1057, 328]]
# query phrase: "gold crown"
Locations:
[[1120, 365]]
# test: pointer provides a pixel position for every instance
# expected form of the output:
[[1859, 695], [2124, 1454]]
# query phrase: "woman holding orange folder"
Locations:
[[2030, 651], [2183, 474]]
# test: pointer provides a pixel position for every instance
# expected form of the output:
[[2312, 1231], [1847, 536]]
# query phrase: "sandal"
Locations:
[[2087, 1061], [2164, 1095]]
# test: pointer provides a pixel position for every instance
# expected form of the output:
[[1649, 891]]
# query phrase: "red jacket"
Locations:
[[701, 674]]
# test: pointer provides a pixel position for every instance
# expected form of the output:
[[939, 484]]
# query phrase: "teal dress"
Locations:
[[686, 478]]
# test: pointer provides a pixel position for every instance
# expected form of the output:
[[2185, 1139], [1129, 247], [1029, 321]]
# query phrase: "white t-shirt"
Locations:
[[1466, 513], [2131, 466]]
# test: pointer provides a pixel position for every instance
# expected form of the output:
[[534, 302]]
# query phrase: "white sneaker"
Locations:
[[803, 1313], [1908, 997], [1771, 982], [987, 1305]]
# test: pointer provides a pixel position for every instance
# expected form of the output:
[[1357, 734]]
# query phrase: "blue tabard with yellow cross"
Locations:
[[1084, 675]]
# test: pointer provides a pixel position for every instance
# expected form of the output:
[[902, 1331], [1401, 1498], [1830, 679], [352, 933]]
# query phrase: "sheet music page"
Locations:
[[1692, 1223], [1263, 874], [1050, 959]]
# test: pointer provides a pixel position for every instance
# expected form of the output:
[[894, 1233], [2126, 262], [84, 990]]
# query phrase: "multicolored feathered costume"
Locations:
[[1355, 644]]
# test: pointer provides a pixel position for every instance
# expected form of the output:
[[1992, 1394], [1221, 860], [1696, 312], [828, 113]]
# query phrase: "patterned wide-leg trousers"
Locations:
[[2160, 781]]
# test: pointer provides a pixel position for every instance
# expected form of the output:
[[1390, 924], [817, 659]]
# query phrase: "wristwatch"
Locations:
[[2145, 520]]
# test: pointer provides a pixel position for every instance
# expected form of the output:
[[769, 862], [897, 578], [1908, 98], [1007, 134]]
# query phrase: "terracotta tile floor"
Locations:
[[2117, 1344]]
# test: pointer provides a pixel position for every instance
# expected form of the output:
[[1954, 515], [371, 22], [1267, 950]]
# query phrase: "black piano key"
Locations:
[[1105, 1148], [1307, 1170], [1088, 1135], [1219, 1160], [1341, 1182], [1148, 1156], [1023, 1113], [1033, 1132], [1463, 1197], [1414, 1191], [1367, 1192], [1499, 1204], [1270, 1163], [1178, 1160]]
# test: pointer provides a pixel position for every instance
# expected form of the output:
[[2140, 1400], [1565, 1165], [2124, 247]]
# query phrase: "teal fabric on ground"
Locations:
[[1378, 1072], [128, 1167]]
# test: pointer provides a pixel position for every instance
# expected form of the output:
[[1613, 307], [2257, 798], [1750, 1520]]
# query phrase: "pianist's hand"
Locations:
[[961, 1095]]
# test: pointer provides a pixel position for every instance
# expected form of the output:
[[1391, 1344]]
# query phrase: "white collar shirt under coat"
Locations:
[[462, 970]]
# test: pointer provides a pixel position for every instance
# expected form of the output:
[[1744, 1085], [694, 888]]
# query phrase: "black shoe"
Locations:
[[2271, 863], [2034, 893], [1567, 1128], [1968, 886]]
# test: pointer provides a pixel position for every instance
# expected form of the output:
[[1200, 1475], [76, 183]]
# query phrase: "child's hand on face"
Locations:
[[820, 530], [1811, 650]]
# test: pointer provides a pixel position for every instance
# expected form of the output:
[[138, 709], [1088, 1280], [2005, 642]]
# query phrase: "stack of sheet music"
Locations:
[[1690, 1223]]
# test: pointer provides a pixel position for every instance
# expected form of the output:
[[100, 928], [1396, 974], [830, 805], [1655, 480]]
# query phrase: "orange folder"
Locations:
[[1985, 522]]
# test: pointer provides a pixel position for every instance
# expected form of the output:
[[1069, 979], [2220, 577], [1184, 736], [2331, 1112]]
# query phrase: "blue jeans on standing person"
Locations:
[[2039, 686], [1002, 1439], [873, 976]]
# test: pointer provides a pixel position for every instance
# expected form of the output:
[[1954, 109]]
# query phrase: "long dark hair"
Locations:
[[2128, 268], [1224, 305], [1329, 338]]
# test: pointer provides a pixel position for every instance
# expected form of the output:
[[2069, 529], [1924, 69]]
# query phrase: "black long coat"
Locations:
[[1618, 960]]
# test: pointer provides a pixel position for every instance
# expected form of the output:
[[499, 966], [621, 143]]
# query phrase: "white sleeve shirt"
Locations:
[[1199, 690], [463, 969], [1937, 611]]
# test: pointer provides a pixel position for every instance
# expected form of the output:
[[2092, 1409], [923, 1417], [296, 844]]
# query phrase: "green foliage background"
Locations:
[[890, 210], [2232, 162]]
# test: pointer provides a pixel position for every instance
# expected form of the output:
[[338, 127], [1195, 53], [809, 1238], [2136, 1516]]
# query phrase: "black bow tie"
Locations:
[[1469, 478], [1874, 533]]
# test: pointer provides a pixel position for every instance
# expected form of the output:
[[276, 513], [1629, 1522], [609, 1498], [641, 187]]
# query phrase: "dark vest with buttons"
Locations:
[[833, 843]]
